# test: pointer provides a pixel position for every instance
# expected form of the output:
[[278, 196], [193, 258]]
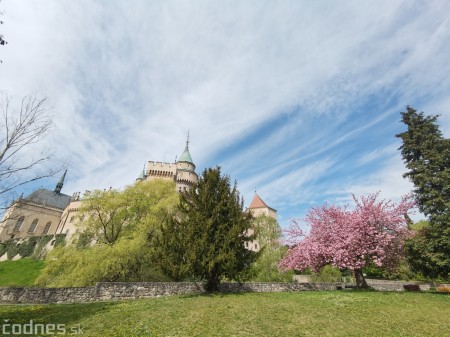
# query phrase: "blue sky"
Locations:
[[298, 100]]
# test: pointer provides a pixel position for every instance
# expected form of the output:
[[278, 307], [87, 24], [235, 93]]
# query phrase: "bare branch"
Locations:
[[20, 129]]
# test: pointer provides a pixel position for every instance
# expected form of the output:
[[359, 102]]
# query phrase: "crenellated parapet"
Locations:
[[182, 171]]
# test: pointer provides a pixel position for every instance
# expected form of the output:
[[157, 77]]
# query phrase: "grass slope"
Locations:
[[20, 273], [252, 314]]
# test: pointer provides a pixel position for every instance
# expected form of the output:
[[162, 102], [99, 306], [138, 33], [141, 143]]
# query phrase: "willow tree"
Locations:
[[117, 239], [265, 269]]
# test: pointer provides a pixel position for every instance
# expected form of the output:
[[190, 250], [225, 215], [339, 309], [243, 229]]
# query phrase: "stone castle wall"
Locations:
[[134, 290]]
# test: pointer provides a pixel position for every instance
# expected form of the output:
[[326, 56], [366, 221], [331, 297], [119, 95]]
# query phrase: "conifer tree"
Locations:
[[206, 239], [426, 154]]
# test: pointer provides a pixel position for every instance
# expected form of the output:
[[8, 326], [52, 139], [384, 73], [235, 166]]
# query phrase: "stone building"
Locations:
[[182, 171], [36, 215], [259, 208], [46, 212]]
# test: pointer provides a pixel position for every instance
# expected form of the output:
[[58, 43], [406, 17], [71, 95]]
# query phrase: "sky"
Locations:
[[297, 100]]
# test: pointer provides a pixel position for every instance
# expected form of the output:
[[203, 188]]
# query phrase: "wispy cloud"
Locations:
[[299, 100]]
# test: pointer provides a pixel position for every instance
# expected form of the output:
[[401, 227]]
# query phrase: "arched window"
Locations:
[[33, 226], [47, 228], [18, 224]]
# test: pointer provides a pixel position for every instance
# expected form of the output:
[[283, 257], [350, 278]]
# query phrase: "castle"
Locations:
[[46, 212], [182, 171]]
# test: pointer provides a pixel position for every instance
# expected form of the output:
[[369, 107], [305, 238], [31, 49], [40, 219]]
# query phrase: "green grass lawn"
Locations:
[[20, 273], [336, 313]]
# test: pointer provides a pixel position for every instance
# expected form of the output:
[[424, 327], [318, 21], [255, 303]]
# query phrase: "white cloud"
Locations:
[[128, 79]]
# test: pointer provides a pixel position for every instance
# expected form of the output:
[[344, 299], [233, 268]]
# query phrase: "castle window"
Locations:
[[71, 219], [18, 224], [47, 228], [33, 226]]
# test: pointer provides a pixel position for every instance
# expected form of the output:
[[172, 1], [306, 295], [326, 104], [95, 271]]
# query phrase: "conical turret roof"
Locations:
[[257, 202], [186, 156], [60, 183], [141, 175]]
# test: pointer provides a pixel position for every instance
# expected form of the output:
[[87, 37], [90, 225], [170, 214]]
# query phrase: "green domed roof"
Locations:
[[186, 156]]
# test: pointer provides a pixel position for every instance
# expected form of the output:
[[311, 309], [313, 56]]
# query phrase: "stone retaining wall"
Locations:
[[132, 290], [384, 285]]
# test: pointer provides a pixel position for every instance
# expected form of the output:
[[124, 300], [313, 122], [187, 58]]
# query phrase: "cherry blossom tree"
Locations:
[[374, 231]]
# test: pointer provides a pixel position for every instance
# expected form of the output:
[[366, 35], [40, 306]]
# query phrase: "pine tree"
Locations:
[[206, 239], [426, 154]]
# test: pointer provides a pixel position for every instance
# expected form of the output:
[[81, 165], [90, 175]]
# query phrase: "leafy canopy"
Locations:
[[373, 232], [117, 240], [265, 269]]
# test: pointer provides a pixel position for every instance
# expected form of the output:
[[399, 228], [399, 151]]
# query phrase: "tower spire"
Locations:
[[186, 156], [142, 175], [60, 183], [187, 141]]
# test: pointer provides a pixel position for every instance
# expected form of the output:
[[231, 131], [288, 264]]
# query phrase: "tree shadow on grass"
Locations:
[[219, 294], [52, 313]]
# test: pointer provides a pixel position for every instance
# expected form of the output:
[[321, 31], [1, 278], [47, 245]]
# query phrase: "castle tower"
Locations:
[[182, 171], [185, 176], [259, 207]]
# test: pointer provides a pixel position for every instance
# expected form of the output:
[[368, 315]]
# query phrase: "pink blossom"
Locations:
[[373, 232]]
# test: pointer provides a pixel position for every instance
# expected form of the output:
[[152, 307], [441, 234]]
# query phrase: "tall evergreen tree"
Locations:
[[206, 239], [426, 154]]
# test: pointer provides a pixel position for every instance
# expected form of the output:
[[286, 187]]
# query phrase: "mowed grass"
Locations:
[[22, 272], [337, 313]]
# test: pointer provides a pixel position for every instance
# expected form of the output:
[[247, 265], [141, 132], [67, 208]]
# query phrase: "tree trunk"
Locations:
[[212, 283], [360, 280]]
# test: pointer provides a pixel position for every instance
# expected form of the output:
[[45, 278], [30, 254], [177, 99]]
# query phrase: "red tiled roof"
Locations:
[[257, 202]]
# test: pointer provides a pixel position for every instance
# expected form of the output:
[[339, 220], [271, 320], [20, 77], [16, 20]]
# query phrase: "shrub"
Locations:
[[328, 273], [12, 248], [3, 247], [411, 287], [39, 251], [26, 248]]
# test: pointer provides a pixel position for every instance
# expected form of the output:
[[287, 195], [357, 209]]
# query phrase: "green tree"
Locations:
[[265, 269], [327, 273], [125, 253], [206, 239], [105, 215], [426, 154]]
